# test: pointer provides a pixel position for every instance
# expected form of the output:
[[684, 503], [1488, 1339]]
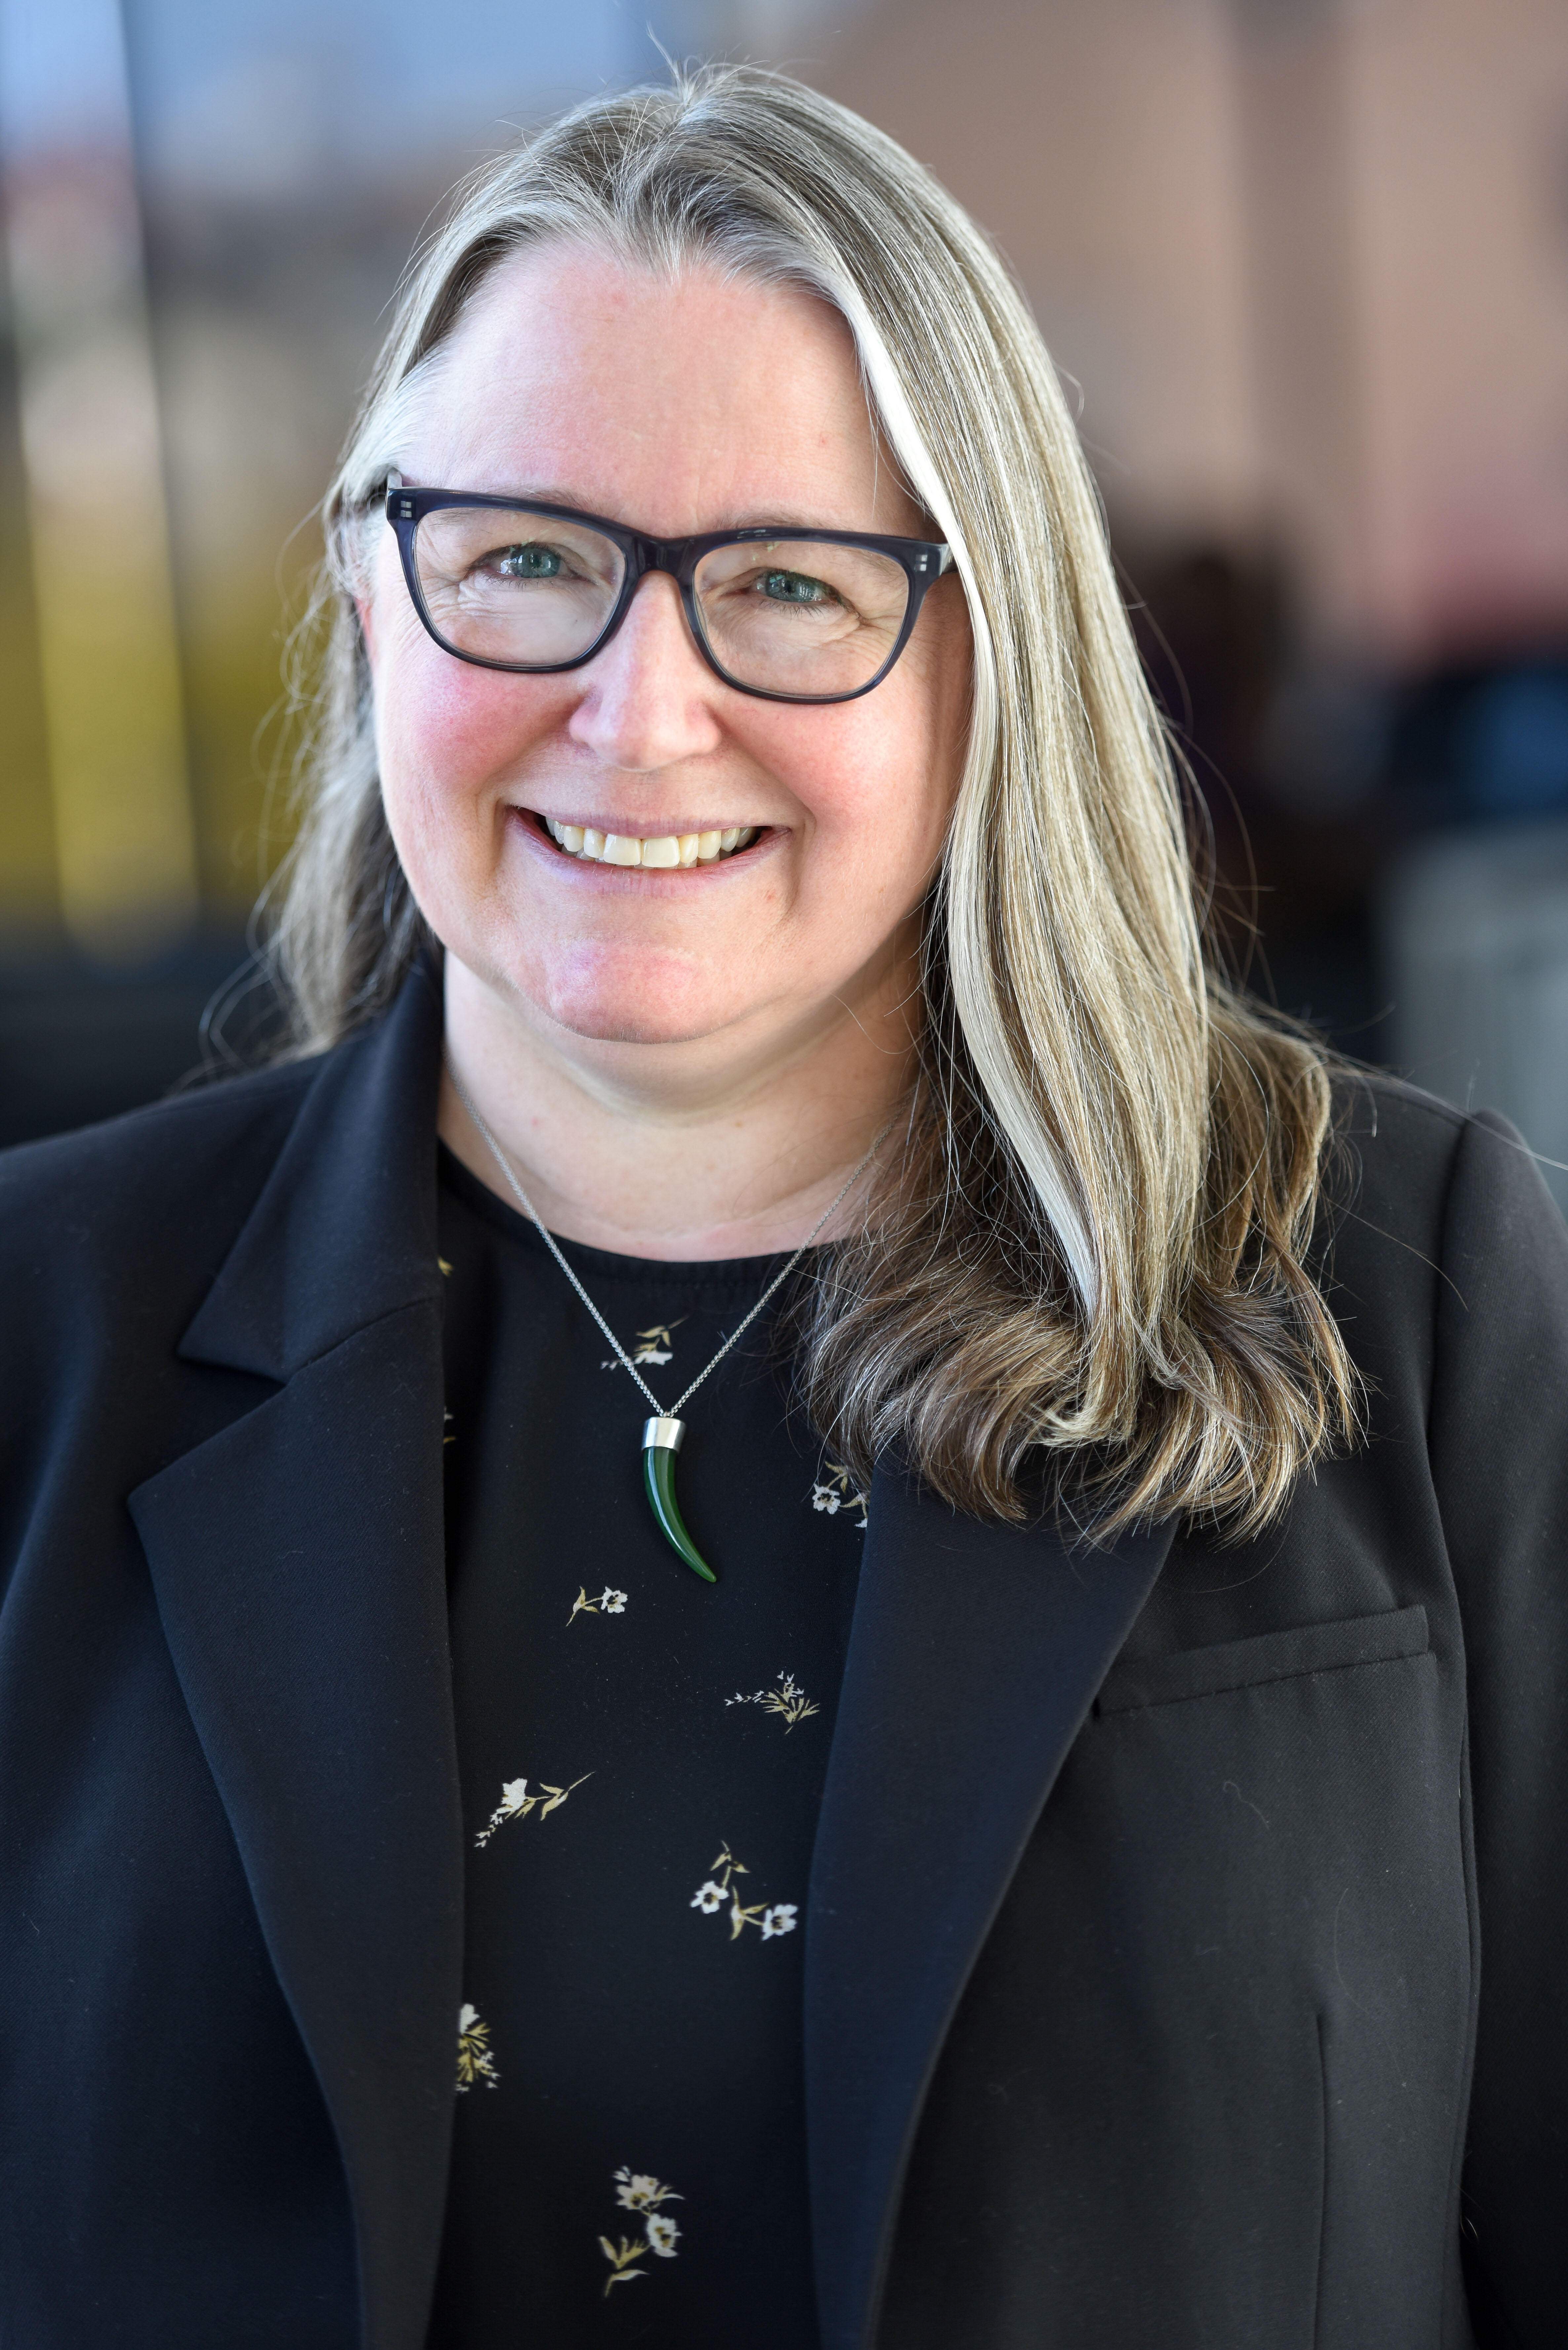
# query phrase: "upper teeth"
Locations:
[[667, 849]]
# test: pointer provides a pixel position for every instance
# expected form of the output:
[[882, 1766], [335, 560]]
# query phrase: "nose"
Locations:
[[647, 700]]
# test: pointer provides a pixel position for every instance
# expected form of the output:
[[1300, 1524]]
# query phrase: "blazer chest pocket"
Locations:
[[1271, 1656]]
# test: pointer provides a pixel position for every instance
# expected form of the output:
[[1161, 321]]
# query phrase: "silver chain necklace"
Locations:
[[663, 1435]]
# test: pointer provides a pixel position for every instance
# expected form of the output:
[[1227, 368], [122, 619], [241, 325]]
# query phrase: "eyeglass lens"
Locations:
[[790, 616]]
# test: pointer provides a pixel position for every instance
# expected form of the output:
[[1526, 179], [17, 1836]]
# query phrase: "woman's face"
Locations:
[[675, 408]]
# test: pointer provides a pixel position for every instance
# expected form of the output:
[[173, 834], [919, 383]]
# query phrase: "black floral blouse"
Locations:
[[642, 1759]]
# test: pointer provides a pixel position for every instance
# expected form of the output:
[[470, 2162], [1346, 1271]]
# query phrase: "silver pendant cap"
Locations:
[[663, 1435]]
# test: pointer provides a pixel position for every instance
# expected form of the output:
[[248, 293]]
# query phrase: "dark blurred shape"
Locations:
[[1287, 762], [1473, 913], [79, 1042], [1474, 939], [1325, 746], [1483, 740]]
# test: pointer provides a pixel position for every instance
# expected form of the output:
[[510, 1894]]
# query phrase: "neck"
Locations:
[[713, 1147]]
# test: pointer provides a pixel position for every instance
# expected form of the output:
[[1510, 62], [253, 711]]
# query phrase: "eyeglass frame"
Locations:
[[923, 561]]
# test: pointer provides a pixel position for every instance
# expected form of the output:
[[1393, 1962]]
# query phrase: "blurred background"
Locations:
[[1305, 262]]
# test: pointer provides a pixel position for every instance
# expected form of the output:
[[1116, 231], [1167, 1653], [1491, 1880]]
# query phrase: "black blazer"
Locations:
[[1185, 1944]]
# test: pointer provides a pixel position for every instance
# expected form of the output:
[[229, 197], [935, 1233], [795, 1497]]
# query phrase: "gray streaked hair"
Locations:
[[1094, 1242]]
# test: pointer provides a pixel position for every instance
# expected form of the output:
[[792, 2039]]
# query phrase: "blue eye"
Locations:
[[794, 587], [530, 562]]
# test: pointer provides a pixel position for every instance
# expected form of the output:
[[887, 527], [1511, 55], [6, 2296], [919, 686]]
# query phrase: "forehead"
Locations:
[[680, 402]]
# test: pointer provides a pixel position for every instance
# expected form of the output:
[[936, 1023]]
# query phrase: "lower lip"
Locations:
[[660, 880]]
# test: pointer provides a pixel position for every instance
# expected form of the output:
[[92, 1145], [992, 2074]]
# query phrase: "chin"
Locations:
[[604, 1030], [624, 1000], [648, 1015], [630, 1020]]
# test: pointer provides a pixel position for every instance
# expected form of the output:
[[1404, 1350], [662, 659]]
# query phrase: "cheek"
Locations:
[[879, 788], [449, 736], [446, 741]]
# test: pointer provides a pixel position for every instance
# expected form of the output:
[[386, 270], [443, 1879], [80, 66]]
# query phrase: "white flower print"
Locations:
[[778, 1920], [835, 1490], [652, 1347], [636, 2191], [474, 2059], [609, 1603], [620, 2258], [516, 1803], [788, 1699]]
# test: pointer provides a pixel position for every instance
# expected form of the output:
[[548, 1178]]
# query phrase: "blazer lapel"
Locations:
[[298, 1560], [975, 1654]]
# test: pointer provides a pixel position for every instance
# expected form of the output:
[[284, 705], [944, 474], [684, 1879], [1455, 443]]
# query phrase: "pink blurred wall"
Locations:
[[1308, 262]]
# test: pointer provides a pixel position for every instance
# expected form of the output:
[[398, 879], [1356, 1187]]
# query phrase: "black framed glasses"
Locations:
[[792, 616]]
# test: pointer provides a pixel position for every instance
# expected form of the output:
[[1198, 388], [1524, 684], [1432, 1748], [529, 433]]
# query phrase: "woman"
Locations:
[[1085, 1872]]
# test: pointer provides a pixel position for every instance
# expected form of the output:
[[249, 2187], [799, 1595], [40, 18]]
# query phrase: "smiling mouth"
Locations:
[[661, 851]]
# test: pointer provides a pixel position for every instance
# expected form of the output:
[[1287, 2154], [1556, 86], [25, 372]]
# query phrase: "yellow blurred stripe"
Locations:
[[106, 642], [107, 654]]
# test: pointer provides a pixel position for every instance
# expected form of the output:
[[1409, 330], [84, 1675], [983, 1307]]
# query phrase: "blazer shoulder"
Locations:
[[1387, 1174], [1403, 1164], [1392, 1130], [1424, 1208]]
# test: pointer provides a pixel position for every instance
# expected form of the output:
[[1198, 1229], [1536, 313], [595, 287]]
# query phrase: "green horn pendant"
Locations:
[[661, 1440]]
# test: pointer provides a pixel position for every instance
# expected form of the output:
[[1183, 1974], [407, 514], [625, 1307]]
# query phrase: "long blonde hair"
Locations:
[[1094, 1240]]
